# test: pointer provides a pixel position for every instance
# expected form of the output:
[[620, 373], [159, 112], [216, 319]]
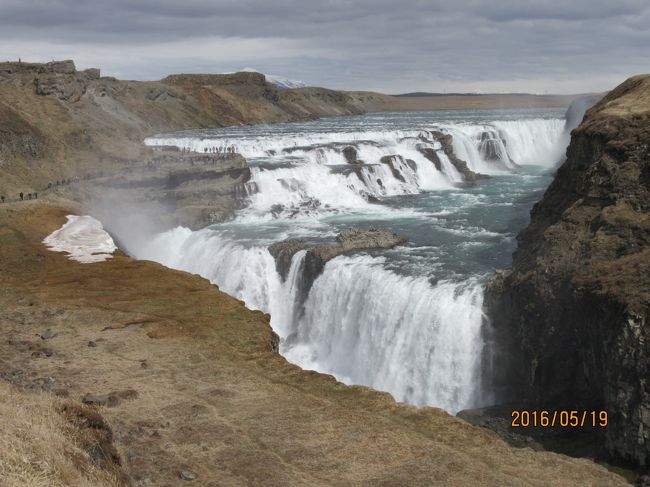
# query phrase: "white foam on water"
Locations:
[[261, 145], [319, 180], [305, 187]]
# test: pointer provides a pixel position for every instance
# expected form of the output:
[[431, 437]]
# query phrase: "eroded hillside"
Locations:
[[57, 122]]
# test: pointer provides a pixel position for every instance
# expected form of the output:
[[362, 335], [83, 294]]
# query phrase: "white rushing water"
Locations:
[[528, 141], [361, 322], [367, 325], [407, 321], [519, 141], [307, 171]]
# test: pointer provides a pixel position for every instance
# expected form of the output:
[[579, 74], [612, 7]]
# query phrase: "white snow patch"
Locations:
[[279, 81], [83, 238]]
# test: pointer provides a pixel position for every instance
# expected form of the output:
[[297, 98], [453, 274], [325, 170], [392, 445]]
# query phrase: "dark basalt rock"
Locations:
[[490, 150], [489, 147], [430, 154], [570, 322], [371, 238], [318, 254], [350, 154], [447, 145], [372, 199], [390, 162], [283, 253]]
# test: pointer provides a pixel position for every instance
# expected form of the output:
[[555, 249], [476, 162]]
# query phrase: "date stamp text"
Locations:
[[558, 418]]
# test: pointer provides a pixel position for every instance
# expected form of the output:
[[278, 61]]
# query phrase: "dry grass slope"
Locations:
[[48, 442]]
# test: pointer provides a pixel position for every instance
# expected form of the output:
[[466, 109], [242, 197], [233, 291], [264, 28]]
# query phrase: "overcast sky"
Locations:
[[394, 46]]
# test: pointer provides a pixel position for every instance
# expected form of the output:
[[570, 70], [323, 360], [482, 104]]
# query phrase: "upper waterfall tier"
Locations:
[[338, 165]]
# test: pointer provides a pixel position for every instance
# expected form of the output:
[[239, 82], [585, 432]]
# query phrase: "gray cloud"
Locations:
[[464, 45]]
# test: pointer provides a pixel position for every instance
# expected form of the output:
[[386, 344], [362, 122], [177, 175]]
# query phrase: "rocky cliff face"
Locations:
[[175, 193], [19, 138], [571, 319], [58, 122]]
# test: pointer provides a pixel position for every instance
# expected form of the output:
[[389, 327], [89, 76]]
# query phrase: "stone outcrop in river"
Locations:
[[571, 319], [446, 141], [318, 253]]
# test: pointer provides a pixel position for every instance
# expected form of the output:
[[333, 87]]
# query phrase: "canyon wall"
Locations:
[[571, 318]]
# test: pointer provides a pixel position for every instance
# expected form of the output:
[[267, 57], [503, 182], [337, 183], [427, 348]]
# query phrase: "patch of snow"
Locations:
[[83, 238], [279, 81]]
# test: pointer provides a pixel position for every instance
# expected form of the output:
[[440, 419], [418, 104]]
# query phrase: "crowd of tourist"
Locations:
[[51, 186], [223, 152], [210, 155]]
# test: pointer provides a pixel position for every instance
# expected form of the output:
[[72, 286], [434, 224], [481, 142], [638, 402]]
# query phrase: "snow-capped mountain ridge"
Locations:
[[279, 81]]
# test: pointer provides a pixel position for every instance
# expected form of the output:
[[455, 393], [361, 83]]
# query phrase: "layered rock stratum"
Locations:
[[571, 318]]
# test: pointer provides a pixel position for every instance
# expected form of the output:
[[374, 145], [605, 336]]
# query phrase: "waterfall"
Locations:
[[308, 174], [523, 142], [360, 322], [412, 330], [401, 334]]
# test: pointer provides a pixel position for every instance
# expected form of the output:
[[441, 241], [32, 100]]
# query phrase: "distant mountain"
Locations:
[[279, 81], [423, 93]]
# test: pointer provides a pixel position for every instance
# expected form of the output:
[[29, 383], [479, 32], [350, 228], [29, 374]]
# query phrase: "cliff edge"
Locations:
[[571, 318]]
